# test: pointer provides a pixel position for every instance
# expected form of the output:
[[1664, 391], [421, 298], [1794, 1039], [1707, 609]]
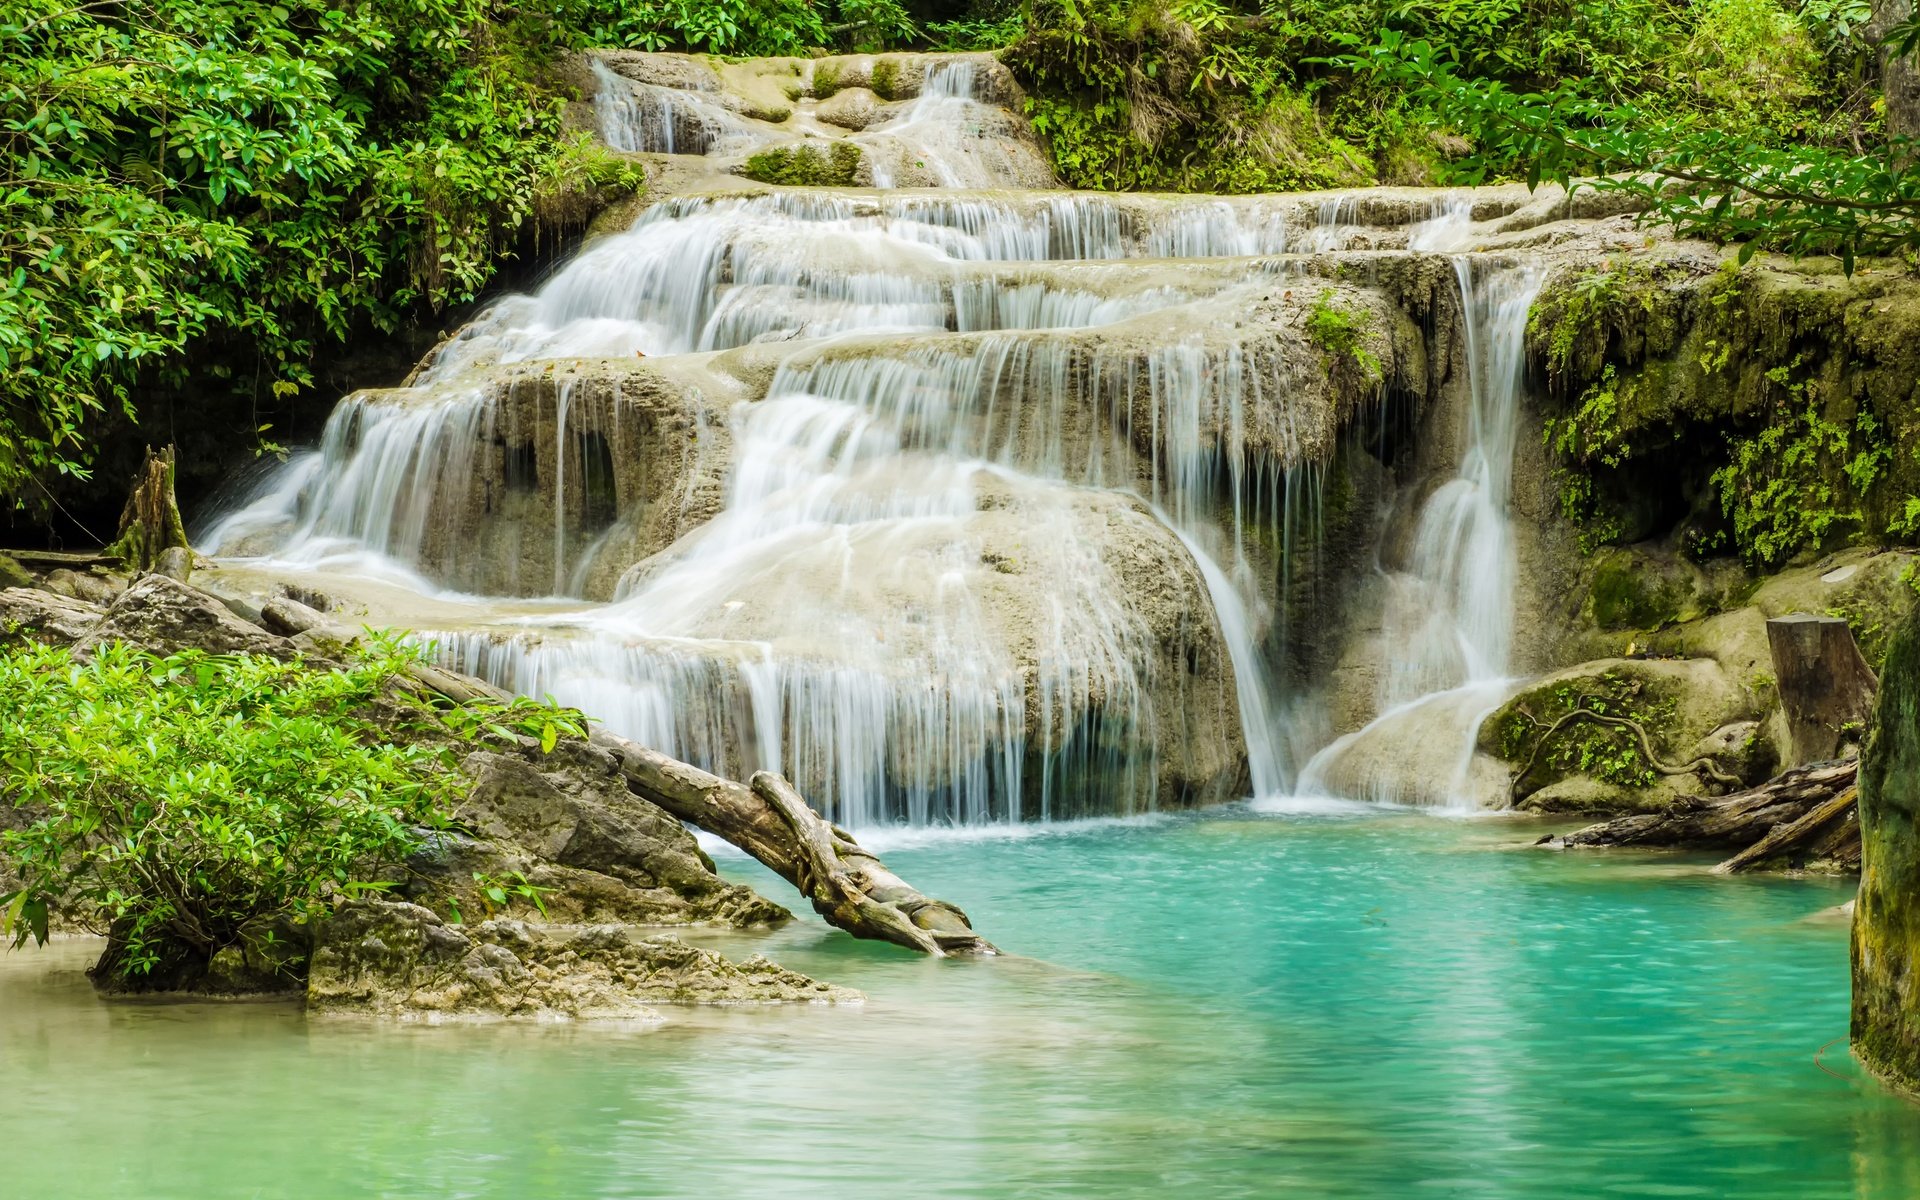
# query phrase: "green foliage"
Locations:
[[497, 895], [1595, 522], [1136, 95], [740, 28], [806, 165], [182, 798], [1738, 151], [975, 34], [1224, 95], [1341, 335], [274, 175], [1800, 479]]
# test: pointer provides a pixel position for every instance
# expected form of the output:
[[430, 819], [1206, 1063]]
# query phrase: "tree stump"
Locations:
[[152, 535], [1826, 688]]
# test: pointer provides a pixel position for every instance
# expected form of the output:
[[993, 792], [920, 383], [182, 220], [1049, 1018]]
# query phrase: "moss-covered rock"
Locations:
[[806, 165], [1687, 707], [1634, 591], [1768, 410], [1886, 923]]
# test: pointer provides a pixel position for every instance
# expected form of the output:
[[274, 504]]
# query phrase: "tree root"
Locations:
[[1704, 763]]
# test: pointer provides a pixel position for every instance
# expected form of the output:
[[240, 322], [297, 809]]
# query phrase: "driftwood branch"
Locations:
[[1806, 815], [848, 885]]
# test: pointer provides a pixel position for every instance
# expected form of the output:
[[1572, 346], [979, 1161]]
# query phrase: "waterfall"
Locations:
[[956, 507], [1448, 629]]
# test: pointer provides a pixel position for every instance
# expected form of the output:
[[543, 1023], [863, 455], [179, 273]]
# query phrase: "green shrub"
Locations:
[[181, 800], [250, 178]]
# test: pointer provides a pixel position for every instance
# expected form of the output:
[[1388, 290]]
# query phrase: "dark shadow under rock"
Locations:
[[385, 958]]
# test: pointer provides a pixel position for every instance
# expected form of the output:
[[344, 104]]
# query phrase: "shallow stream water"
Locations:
[[1236, 1005]]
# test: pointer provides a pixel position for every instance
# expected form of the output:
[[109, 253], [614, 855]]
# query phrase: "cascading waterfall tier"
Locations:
[[1448, 626], [955, 507]]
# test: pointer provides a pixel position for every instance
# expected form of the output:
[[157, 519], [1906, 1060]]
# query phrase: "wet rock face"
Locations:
[[393, 959], [1886, 923]]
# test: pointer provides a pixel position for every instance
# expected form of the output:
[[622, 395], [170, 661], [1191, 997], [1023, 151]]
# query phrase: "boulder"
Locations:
[[27, 614], [1689, 709], [852, 108], [13, 575], [164, 616], [84, 586], [386, 958]]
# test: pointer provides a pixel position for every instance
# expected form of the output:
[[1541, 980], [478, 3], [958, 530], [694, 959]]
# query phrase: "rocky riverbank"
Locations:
[[591, 864]]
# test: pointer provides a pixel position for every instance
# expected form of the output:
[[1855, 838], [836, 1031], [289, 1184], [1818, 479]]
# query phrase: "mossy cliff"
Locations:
[[1768, 411], [1886, 923]]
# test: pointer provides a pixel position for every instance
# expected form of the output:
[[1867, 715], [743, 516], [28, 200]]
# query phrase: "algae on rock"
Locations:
[[1886, 921]]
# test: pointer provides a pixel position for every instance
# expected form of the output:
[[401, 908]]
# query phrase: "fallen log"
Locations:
[[848, 885], [1803, 816]]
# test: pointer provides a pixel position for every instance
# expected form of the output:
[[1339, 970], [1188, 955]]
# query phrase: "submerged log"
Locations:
[[1826, 688], [848, 885], [1805, 816]]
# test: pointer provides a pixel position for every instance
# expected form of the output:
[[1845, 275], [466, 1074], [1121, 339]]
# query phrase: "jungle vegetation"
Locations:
[[200, 200]]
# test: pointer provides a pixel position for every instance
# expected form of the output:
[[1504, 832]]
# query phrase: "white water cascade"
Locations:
[[1448, 628], [955, 507]]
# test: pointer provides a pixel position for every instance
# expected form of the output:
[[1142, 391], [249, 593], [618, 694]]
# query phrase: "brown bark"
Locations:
[[1899, 78], [1804, 816], [1826, 688], [848, 886]]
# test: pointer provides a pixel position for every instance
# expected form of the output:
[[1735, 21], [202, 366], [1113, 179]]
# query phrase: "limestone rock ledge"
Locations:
[[392, 959]]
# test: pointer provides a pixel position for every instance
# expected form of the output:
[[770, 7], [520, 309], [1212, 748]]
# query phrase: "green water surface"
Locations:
[[1231, 1006]]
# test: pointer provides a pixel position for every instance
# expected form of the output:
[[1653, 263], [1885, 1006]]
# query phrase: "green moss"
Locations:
[[886, 79], [773, 114], [806, 165], [1518, 732], [1886, 924], [1340, 333], [1627, 595], [826, 79], [1775, 407]]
